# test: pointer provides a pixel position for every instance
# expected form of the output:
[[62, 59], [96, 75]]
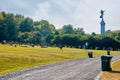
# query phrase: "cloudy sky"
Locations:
[[80, 13]]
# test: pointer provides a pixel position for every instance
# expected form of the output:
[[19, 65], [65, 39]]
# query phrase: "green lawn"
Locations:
[[18, 58]]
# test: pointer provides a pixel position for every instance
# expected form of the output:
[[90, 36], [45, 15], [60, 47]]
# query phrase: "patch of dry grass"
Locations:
[[114, 74]]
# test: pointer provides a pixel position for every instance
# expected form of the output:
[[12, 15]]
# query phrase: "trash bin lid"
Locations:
[[106, 57]]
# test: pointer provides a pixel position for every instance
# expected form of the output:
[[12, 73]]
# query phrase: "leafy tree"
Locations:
[[17, 27], [36, 23], [11, 26], [70, 40], [18, 19], [3, 30], [49, 38], [34, 37], [47, 30], [1, 17], [110, 42], [26, 25], [67, 29], [93, 34], [79, 31], [67, 40]]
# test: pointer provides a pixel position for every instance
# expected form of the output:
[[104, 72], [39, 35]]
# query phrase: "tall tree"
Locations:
[[47, 30], [3, 29], [79, 31], [67, 29], [26, 25], [10, 22]]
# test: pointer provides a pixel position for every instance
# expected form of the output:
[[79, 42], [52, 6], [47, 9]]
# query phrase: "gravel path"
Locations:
[[80, 69]]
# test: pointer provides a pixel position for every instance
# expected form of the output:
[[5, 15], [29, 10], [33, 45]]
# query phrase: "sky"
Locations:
[[79, 13]]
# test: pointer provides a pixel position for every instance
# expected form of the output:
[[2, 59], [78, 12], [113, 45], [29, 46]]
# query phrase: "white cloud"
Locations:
[[85, 13], [79, 13], [42, 11], [16, 7]]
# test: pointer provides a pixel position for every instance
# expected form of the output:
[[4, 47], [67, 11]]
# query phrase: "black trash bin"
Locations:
[[108, 52], [90, 54], [106, 63]]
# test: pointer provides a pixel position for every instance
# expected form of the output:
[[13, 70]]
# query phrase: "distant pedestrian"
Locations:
[[60, 46], [15, 45]]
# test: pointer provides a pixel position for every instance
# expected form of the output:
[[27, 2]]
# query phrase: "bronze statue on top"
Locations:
[[102, 13]]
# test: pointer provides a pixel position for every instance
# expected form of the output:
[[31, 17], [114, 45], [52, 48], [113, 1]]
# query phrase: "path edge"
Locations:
[[101, 72]]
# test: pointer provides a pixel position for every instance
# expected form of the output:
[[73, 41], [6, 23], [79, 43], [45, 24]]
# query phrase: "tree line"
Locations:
[[25, 30]]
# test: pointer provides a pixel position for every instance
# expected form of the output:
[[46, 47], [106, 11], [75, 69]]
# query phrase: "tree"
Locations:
[[56, 40], [10, 23], [67, 29], [3, 29], [34, 37], [67, 40], [79, 31], [31, 37], [23, 37], [19, 19], [93, 34], [47, 30], [110, 42], [26, 25]]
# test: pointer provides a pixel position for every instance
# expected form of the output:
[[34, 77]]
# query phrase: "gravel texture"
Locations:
[[80, 69]]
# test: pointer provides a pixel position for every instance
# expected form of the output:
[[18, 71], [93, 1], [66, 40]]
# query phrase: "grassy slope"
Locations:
[[19, 58], [114, 74]]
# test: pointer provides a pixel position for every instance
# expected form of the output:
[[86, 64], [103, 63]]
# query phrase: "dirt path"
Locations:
[[80, 69]]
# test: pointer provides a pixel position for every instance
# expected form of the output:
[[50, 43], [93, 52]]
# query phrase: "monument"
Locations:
[[102, 23]]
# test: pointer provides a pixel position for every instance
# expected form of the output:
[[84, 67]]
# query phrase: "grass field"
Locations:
[[19, 58]]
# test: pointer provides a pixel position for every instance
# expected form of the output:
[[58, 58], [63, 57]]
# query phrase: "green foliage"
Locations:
[[3, 32], [110, 42], [24, 29], [8, 27], [93, 34], [79, 31], [47, 30], [68, 29], [1, 17], [26, 25], [31, 37], [70, 40]]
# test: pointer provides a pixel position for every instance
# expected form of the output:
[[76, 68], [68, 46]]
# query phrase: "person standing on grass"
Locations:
[[60, 46]]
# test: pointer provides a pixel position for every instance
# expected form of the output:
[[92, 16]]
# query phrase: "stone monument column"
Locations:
[[102, 23]]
